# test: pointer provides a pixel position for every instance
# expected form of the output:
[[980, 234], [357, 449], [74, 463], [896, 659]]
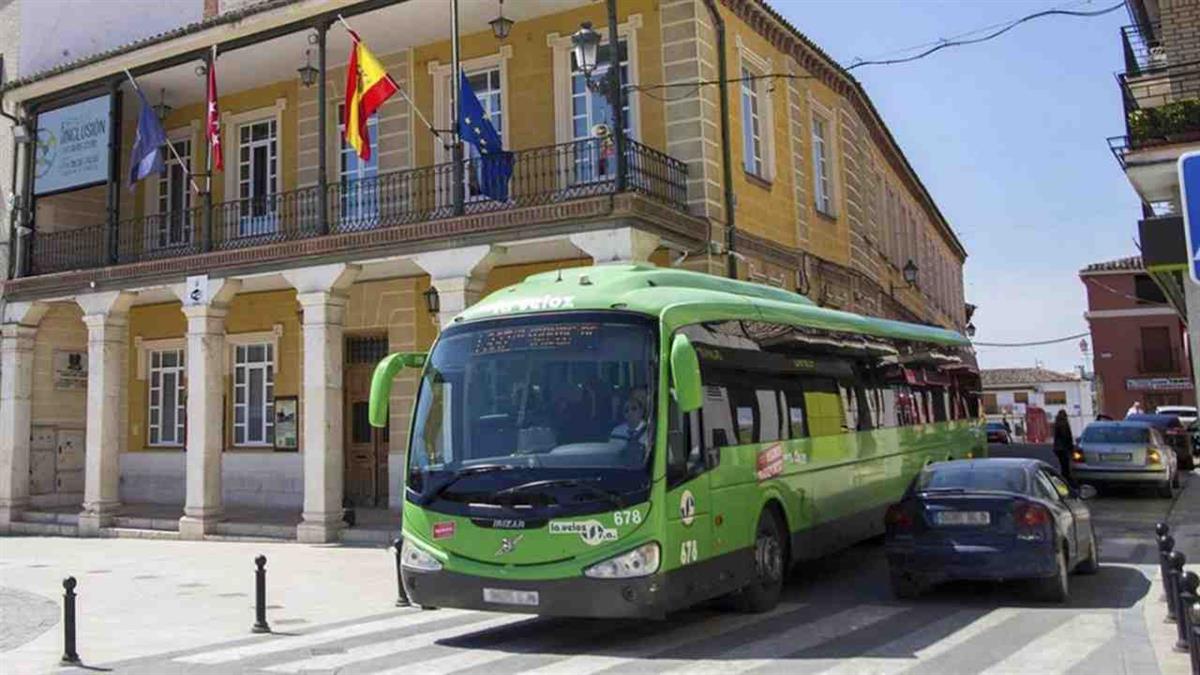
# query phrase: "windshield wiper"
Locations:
[[463, 473], [610, 496]]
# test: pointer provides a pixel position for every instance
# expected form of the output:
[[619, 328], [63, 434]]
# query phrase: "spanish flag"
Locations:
[[367, 86]]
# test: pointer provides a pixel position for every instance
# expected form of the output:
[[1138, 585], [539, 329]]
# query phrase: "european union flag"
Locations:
[[496, 165], [147, 156]]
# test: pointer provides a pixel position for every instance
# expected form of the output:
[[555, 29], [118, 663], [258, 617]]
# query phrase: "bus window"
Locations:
[[744, 405], [824, 406], [770, 425], [717, 419], [685, 458], [794, 405]]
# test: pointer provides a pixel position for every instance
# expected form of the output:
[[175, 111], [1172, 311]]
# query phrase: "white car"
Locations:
[[1185, 413]]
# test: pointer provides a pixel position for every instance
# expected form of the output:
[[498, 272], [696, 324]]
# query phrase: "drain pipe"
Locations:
[[15, 206], [726, 150]]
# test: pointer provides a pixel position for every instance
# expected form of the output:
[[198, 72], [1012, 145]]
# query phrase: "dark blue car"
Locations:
[[992, 519]]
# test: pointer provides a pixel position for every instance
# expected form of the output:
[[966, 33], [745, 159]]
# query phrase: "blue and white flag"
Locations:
[[147, 156], [496, 165]]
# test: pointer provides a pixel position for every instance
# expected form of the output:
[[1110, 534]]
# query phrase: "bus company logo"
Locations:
[[770, 461], [529, 304], [590, 531], [508, 524], [687, 507], [443, 530], [509, 544]]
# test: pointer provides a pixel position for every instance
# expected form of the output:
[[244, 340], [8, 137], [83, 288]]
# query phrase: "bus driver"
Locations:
[[634, 431]]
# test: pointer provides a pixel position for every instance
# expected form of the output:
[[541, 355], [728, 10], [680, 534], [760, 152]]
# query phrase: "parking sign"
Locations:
[[1189, 190]]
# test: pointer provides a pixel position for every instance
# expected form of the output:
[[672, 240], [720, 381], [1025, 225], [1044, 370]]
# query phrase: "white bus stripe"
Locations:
[[872, 663], [394, 647], [769, 650], [283, 644], [621, 654], [1060, 649]]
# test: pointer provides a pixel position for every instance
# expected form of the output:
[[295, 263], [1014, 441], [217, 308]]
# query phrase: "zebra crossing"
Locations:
[[806, 635]]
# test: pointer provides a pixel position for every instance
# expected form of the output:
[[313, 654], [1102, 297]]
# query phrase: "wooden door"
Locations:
[[366, 448]]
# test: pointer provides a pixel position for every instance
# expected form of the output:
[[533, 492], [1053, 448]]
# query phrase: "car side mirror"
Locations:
[[1087, 492], [685, 374]]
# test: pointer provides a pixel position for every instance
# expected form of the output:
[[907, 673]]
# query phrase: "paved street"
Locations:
[[168, 607]]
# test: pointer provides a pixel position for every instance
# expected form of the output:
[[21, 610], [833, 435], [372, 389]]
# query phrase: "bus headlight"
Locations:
[[414, 558], [641, 561]]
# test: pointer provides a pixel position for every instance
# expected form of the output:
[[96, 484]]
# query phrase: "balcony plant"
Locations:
[[1164, 122]]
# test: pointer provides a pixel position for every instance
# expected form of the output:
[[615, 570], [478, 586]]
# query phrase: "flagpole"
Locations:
[[208, 154], [412, 104], [169, 144], [456, 76]]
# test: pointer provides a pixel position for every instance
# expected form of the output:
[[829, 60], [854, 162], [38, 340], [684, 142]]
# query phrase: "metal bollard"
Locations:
[[260, 596], [1162, 529], [1166, 545], [1188, 582], [401, 596], [1175, 563], [1194, 638], [70, 656]]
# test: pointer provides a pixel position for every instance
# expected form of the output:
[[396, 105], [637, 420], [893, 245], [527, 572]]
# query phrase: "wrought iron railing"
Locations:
[[1143, 51], [538, 176]]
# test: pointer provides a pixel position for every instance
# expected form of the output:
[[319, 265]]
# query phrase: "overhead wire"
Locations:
[[1035, 343]]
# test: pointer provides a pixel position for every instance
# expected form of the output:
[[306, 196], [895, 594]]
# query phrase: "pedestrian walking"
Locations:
[[1135, 409], [1064, 442]]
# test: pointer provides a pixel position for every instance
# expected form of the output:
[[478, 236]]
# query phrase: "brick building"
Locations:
[[310, 264], [1139, 343]]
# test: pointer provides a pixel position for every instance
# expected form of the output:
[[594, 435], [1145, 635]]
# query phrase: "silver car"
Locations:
[[1125, 452]]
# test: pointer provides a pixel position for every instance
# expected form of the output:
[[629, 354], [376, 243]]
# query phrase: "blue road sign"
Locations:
[[1189, 190]]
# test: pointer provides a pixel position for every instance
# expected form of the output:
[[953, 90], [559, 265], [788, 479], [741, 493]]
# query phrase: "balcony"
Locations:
[[1162, 119], [1143, 52], [403, 206]]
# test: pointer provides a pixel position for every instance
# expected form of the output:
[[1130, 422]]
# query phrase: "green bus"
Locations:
[[628, 440]]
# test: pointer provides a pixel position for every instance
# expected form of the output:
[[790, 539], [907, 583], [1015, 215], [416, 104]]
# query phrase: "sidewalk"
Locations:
[[1184, 519], [141, 597]]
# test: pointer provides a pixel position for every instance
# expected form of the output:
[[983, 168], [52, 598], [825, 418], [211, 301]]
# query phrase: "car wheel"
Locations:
[[905, 586], [1091, 565], [762, 595], [1055, 588]]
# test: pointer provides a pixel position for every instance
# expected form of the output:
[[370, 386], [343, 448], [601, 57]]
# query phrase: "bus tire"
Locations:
[[770, 551]]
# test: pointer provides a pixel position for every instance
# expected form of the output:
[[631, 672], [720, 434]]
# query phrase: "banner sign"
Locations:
[[72, 146], [1158, 384]]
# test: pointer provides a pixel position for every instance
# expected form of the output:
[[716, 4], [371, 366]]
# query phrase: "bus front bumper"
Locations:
[[643, 597]]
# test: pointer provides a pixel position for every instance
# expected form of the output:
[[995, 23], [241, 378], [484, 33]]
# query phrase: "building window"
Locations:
[[1147, 292], [356, 176], [822, 189], [254, 394], [1156, 354], [173, 226], [596, 161], [990, 405], [1021, 397], [167, 410], [1056, 398], [752, 136], [257, 175]]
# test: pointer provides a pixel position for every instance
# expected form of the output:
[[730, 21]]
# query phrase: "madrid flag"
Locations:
[[212, 116], [367, 86]]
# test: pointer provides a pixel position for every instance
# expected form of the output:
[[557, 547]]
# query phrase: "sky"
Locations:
[[1009, 138]]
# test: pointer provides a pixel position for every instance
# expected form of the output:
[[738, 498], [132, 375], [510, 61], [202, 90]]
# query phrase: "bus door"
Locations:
[[688, 504]]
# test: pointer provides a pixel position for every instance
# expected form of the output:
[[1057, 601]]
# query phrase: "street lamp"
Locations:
[[586, 43], [910, 272], [432, 302], [970, 330], [308, 74], [501, 25]]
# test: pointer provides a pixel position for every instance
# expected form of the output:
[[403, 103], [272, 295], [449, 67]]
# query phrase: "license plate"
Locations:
[[505, 596], [1116, 457], [962, 518]]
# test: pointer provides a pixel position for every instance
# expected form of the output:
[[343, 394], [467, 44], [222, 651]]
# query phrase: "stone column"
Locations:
[[106, 315], [459, 275], [1191, 300], [205, 359], [321, 292], [622, 244], [16, 399]]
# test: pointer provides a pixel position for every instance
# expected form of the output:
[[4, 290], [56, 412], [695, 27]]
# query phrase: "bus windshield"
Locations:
[[541, 402]]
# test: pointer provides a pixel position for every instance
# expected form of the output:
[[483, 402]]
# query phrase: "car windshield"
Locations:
[[972, 476], [567, 400], [1116, 434]]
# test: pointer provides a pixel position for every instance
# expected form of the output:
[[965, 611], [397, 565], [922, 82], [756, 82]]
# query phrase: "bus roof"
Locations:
[[679, 297]]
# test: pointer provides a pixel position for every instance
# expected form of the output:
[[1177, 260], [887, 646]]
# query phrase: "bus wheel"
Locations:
[[762, 595]]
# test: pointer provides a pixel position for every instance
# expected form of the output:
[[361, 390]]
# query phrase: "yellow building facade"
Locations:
[[209, 365]]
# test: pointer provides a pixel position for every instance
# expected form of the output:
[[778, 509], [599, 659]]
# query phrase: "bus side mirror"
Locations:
[[685, 374], [381, 383]]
